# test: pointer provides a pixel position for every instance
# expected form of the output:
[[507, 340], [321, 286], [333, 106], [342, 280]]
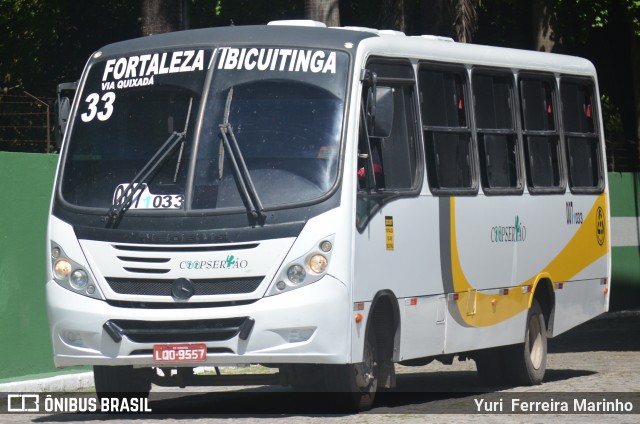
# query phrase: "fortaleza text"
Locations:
[[558, 406], [148, 65]]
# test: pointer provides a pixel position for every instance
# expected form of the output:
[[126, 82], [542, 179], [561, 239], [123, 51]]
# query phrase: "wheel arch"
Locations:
[[384, 321], [543, 292]]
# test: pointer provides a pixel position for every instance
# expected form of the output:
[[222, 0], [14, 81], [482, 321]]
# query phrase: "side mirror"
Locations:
[[63, 112], [380, 112], [63, 109]]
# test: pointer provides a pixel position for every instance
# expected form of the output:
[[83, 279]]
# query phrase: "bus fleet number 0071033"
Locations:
[[144, 199]]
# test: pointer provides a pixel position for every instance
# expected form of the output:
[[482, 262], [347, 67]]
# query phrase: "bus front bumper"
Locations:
[[306, 325]]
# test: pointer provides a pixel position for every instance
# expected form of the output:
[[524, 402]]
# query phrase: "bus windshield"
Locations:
[[280, 111]]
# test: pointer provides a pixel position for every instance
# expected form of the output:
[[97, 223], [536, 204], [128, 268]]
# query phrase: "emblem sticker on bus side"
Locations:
[[388, 225]]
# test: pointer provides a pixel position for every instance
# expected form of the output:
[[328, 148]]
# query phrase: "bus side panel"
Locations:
[[580, 300], [398, 252], [423, 326], [462, 337], [499, 249], [482, 238]]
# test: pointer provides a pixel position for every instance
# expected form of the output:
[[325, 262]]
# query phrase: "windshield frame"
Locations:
[[196, 136]]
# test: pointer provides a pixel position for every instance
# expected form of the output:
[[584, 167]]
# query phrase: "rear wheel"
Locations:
[[526, 363]]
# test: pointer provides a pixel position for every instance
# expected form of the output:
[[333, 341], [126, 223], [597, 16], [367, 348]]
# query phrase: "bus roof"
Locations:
[[439, 50], [243, 35], [378, 42]]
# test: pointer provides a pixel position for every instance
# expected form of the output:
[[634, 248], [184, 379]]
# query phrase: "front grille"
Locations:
[[177, 305], [203, 287], [150, 259], [206, 330], [185, 248]]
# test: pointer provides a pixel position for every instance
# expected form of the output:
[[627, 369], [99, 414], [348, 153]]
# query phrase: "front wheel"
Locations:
[[120, 381], [356, 384], [526, 362]]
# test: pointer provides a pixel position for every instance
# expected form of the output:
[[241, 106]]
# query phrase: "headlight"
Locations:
[[62, 269], [296, 274], [326, 246], [305, 269], [318, 263], [79, 279], [72, 275]]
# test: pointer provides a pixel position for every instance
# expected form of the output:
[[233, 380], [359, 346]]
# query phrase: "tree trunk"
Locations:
[[542, 19], [160, 16], [436, 17], [326, 11], [635, 70], [394, 15], [465, 20]]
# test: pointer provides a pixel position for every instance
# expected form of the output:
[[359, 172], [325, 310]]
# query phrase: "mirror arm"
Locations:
[[370, 78]]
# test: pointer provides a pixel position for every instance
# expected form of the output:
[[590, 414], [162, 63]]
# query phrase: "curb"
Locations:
[[59, 383]]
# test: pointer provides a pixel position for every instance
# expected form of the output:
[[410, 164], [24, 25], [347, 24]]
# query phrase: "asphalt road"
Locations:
[[596, 365]]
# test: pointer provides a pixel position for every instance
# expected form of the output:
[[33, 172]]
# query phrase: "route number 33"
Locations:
[[107, 108]]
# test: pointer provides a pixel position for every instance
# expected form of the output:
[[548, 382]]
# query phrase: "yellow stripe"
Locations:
[[480, 310]]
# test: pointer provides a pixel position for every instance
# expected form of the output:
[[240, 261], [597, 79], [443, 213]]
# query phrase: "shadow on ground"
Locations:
[[416, 392], [615, 332]]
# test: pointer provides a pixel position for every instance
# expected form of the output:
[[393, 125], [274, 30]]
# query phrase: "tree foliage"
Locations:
[[46, 42], [466, 19]]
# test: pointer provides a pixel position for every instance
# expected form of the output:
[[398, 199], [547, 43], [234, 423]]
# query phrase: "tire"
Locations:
[[526, 363], [120, 381], [305, 377], [356, 384]]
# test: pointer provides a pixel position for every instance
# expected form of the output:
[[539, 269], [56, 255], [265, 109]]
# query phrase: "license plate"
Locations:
[[180, 353]]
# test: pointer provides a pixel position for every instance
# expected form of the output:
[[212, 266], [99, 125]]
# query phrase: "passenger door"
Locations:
[[397, 238]]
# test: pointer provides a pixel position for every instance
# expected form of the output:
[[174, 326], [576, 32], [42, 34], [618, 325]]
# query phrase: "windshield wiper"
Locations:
[[136, 186], [230, 145]]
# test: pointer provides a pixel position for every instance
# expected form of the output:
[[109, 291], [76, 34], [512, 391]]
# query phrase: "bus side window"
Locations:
[[392, 159], [497, 137], [447, 135], [370, 174], [540, 134], [581, 136], [389, 163]]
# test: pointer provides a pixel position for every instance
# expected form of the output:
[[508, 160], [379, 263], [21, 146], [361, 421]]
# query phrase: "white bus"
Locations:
[[326, 201]]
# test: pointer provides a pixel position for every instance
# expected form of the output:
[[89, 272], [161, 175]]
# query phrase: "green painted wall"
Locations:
[[624, 191], [624, 188], [25, 186], [625, 278]]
